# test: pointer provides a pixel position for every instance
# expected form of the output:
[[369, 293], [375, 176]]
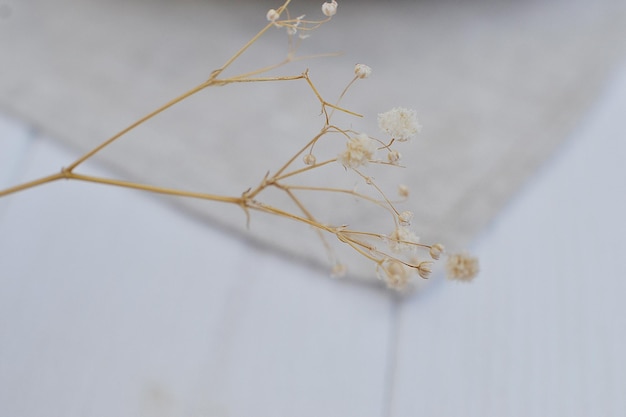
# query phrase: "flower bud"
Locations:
[[329, 9], [393, 157], [424, 270], [309, 159], [362, 71], [272, 15], [405, 218], [436, 250]]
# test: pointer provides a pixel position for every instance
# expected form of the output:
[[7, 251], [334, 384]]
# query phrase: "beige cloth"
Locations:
[[497, 86]]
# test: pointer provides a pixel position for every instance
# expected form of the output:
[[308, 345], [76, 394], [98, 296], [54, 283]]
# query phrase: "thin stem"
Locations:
[[373, 184], [379, 203], [310, 216], [305, 169], [137, 123], [286, 61], [343, 93], [178, 99], [243, 49], [273, 210], [254, 80], [155, 189], [324, 102], [31, 184]]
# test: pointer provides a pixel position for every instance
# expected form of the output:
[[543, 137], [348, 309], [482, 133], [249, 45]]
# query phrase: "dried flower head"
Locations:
[[272, 15], [436, 250], [394, 273], [402, 240], [462, 267], [309, 159], [359, 150], [389, 253], [329, 8], [394, 157], [424, 269], [405, 218], [400, 123], [362, 71]]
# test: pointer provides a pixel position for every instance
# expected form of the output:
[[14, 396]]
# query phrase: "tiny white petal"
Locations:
[[359, 151], [400, 123]]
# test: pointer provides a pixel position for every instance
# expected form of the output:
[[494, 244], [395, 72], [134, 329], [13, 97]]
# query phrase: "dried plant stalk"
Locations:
[[395, 255]]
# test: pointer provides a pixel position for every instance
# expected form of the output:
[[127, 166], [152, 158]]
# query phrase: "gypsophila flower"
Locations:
[[329, 8], [424, 269], [362, 71], [394, 157], [436, 250], [359, 150], [462, 267], [405, 218], [403, 191], [400, 123], [401, 239], [272, 15], [394, 273], [309, 159]]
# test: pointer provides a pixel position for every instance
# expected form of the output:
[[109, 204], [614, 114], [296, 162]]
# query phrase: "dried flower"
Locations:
[[309, 159], [329, 8], [462, 267], [394, 273], [424, 269], [402, 239], [393, 157], [395, 255], [400, 123], [436, 250], [272, 15], [405, 218], [362, 71], [359, 150]]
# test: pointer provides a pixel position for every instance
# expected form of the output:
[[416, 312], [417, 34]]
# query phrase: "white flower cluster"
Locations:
[[395, 274], [401, 239], [359, 151], [400, 123], [462, 267]]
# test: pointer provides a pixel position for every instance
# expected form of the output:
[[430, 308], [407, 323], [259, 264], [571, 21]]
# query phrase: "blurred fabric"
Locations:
[[497, 85]]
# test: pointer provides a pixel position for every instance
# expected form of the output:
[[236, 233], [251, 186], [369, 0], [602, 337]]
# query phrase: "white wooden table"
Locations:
[[114, 304]]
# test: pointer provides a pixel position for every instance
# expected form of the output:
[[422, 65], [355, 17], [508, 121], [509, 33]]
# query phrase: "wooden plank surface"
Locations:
[[112, 303], [542, 331]]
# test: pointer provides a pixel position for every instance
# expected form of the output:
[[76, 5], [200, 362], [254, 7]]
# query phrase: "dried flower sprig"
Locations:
[[395, 255]]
